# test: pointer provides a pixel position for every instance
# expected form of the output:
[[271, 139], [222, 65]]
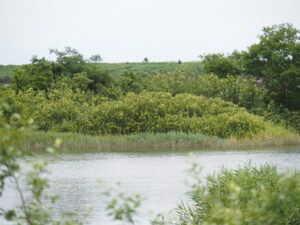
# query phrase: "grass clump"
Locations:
[[248, 195]]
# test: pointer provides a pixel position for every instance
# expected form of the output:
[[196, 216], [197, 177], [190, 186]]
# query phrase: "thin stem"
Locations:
[[23, 202]]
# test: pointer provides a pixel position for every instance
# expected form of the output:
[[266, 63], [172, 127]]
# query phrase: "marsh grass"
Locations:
[[39, 140], [272, 136], [247, 195]]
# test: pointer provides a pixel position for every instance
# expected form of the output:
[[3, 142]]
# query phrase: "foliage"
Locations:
[[265, 81], [129, 82], [247, 195], [38, 75], [244, 91], [32, 210], [65, 110], [282, 116], [181, 80], [59, 110], [125, 207], [79, 82], [241, 91], [9, 143], [42, 74], [68, 62], [99, 77], [72, 94], [219, 64], [276, 59], [120, 205], [160, 112]]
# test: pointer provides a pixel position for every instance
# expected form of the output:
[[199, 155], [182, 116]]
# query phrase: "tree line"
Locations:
[[264, 79]]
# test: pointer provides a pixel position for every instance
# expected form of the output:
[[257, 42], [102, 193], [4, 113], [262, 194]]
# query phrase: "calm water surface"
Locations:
[[158, 177]]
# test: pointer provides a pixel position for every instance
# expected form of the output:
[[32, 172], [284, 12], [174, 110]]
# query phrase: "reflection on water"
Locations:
[[159, 177]]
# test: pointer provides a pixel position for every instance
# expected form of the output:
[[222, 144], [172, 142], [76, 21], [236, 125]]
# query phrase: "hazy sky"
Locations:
[[129, 30]]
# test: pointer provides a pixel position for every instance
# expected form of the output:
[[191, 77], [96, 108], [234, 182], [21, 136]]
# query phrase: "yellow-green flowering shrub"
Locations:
[[58, 110], [66, 110], [161, 112]]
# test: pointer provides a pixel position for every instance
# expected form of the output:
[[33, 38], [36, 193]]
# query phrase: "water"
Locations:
[[158, 177]]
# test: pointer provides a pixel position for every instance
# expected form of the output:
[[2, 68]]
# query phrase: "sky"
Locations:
[[130, 30]]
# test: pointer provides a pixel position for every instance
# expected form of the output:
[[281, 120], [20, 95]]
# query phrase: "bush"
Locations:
[[58, 110], [238, 90], [161, 112], [76, 111]]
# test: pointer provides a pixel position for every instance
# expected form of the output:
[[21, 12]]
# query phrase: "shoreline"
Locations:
[[73, 142]]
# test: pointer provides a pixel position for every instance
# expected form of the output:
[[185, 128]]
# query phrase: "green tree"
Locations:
[[276, 60], [37, 75], [68, 62], [42, 74], [219, 65], [100, 78], [95, 58]]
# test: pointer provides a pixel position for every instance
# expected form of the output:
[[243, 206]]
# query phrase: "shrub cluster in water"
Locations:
[[68, 111]]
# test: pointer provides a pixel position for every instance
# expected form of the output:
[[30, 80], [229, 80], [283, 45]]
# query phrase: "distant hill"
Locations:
[[117, 68], [150, 67]]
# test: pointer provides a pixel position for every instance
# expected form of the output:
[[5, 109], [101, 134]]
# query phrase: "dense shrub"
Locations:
[[238, 90], [129, 82], [76, 111], [58, 110], [161, 112]]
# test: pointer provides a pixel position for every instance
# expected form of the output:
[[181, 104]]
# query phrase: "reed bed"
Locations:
[[40, 140]]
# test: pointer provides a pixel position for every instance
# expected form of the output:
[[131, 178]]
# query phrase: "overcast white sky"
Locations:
[[129, 30]]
